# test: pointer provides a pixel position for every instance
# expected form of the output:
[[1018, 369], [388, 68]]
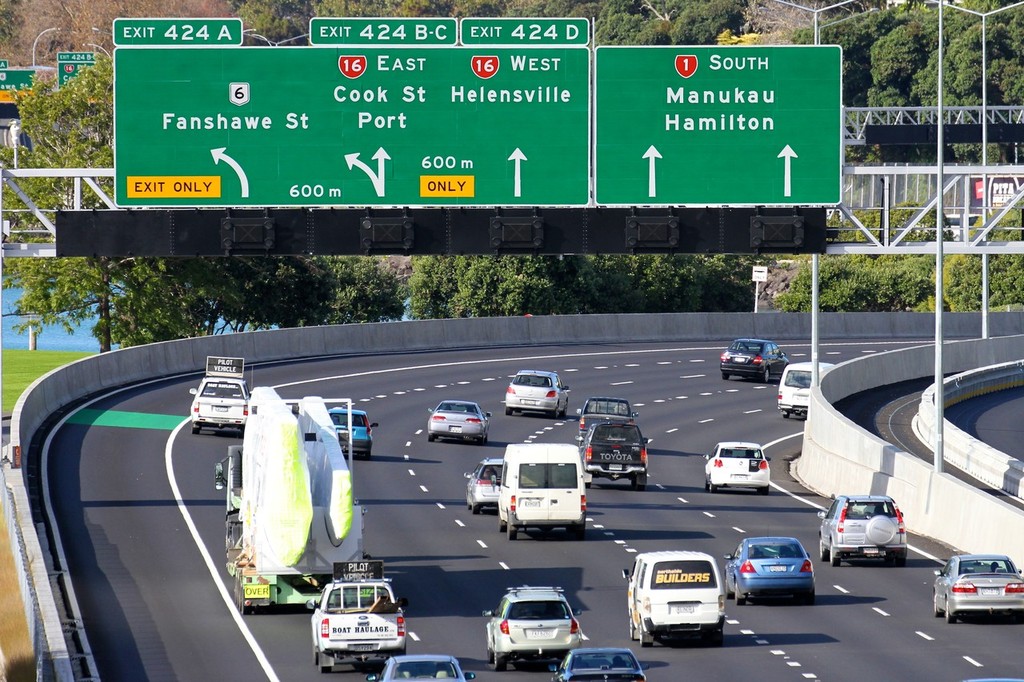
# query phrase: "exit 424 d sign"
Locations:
[[352, 126], [688, 125]]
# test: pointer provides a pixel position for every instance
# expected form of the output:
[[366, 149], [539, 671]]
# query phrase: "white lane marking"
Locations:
[[424, 488], [778, 652], [414, 636], [672, 430], [408, 443], [632, 364], [380, 395], [924, 636], [659, 400], [462, 383], [481, 543], [732, 390], [973, 662], [399, 393], [621, 383], [879, 611], [761, 641], [709, 515], [412, 472], [659, 486], [841, 589], [439, 504], [419, 389], [738, 530], [631, 550], [683, 500], [504, 565], [752, 411], [598, 525], [705, 421], [700, 360], [440, 385], [692, 376], [617, 542], [793, 664], [609, 533], [809, 676], [207, 559], [706, 393], [601, 367], [664, 362], [459, 523], [742, 632]]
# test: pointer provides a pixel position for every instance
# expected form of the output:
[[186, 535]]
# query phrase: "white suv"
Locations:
[[531, 623], [533, 390]]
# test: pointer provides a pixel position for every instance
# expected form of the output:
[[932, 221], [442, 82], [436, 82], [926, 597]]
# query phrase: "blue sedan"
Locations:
[[362, 430], [769, 566]]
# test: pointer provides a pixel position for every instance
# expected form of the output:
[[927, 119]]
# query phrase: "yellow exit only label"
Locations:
[[173, 186], [447, 186]]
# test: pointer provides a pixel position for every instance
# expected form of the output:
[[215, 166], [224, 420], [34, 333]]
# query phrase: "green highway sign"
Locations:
[[177, 32], [3, 64], [382, 32], [715, 126], [352, 126], [514, 31], [69, 64], [14, 79]]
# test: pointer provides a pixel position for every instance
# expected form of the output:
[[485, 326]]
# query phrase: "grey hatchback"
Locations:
[[753, 358]]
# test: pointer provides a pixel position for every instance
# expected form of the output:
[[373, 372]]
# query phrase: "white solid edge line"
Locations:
[[214, 571], [817, 506]]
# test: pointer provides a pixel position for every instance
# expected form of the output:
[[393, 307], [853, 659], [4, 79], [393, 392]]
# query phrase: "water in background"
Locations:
[[50, 338]]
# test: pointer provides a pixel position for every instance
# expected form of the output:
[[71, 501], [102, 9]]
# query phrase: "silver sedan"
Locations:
[[460, 419], [978, 584]]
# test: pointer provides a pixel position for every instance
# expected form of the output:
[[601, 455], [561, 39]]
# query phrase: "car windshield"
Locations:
[[616, 407], [547, 475], [217, 390], [746, 347], [785, 550], [425, 670], [532, 380], [735, 453], [987, 566], [341, 419], [602, 661], [869, 509], [798, 379], [616, 432], [538, 610]]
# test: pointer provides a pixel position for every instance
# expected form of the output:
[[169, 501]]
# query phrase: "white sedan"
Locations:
[[460, 419], [737, 465]]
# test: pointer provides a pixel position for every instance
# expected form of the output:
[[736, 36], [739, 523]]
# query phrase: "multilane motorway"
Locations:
[[132, 493]]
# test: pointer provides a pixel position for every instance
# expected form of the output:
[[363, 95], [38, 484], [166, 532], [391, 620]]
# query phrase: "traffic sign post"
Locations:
[[359, 126], [69, 64], [718, 126]]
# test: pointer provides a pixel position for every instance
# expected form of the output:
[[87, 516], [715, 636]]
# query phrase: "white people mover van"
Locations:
[[795, 387], [542, 486], [675, 594]]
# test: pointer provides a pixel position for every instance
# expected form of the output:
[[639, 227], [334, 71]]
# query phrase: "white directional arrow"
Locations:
[[651, 154], [219, 155], [518, 156], [787, 153], [377, 179]]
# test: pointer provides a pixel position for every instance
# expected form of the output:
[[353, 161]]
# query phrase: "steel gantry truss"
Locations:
[[884, 209]]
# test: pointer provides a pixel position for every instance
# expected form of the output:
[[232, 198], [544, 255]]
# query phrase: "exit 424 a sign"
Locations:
[[706, 126], [352, 126]]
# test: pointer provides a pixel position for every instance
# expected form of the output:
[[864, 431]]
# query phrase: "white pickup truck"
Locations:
[[357, 620], [222, 399]]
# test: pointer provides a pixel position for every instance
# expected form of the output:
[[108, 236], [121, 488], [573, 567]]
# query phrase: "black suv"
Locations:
[[754, 359], [615, 450]]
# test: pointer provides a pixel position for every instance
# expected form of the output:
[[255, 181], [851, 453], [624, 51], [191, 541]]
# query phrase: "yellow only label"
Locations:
[[174, 186], [256, 591], [447, 186]]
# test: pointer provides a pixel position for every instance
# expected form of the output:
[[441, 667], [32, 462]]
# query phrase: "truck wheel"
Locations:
[[823, 551], [717, 638], [513, 532], [785, 414], [712, 487], [501, 524], [500, 663], [835, 559], [195, 428], [633, 636], [646, 639], [741, 598], [431, 438], [640, 482], [766, 376], [725, 376], [581, 532]]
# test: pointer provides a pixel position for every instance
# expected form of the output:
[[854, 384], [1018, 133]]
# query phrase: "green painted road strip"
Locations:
[[127, 420]]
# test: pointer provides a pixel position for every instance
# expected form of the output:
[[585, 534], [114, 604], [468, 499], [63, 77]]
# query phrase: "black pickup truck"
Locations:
[[615, 450], [602, 409]]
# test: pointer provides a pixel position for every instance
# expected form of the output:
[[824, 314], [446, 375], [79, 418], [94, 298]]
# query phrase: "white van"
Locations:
[[542, 486], [675, 594], [795, 387]]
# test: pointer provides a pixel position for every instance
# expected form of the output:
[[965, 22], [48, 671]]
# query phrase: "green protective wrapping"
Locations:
[[287, 502], [341, 502]]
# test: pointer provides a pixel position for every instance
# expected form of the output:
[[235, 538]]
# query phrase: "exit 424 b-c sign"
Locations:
[[352, 126]]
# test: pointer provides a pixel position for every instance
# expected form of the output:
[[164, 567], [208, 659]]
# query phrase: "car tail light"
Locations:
[[438, 418], [763, 465], [583, 424], [503, 627], [725, 357], [245, 411], [473, 420], [551, 394], [512, 504], [401, 626], [842, 520], [483, 481], [757, 360], [574, 626], [583, 503], [325, 627], [589, 454], [1014, 588], [195, 408], [643, 455], [963, 588], [718, 463], [899, 520], [747, 567], [510, 390], [807, 567]]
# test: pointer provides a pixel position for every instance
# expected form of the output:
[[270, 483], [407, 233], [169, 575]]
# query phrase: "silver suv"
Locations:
[[863, 527], [531, 623], [533, 390]]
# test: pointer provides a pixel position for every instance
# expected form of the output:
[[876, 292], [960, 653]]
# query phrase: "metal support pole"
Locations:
[[939, 221]]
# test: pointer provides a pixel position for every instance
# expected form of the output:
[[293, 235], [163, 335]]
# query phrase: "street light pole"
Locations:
[[816, 11], [36, 42], [938, 453]]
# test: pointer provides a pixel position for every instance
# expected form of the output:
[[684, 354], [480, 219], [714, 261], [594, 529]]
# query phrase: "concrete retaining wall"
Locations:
[[839, 457], [68, 384]]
